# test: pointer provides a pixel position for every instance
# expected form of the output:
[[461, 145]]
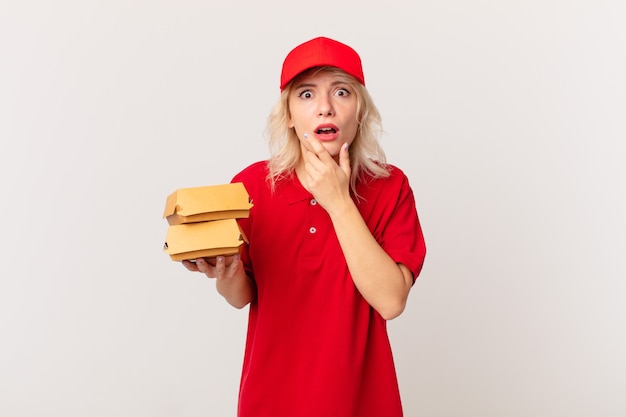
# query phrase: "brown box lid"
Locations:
[[213, 202]]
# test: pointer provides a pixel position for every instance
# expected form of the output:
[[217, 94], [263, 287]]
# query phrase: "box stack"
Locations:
[[203, 221]]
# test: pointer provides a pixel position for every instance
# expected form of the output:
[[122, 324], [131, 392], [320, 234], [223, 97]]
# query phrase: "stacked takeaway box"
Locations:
[[203, 221]]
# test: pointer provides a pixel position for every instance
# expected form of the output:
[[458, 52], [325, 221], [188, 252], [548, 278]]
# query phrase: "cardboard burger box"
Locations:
[[213, 202], [204, 239], [203, 221]]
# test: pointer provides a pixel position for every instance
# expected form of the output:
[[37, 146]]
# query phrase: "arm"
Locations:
[[383, 283], [232, 282]]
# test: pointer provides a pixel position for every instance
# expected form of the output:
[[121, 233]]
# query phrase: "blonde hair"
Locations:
[[366, 154]]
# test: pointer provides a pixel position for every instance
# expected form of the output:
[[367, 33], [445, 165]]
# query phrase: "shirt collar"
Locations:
[[291, 190]]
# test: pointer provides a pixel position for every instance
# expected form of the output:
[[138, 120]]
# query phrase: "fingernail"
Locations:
[[220, 259]]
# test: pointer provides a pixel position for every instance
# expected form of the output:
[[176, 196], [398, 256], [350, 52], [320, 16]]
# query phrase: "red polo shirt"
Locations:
[[315, 347]]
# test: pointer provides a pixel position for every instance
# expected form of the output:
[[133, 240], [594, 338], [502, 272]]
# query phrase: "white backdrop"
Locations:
[[508, 117]]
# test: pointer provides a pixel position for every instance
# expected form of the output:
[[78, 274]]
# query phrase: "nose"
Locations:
[[325, 107]]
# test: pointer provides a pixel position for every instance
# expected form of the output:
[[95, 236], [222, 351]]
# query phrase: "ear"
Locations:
[[290, 123]]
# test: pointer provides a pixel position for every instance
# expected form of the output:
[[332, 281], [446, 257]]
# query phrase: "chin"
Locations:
[[333, 151]]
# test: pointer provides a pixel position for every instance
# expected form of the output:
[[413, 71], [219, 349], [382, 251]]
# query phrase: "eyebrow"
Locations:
[[305, 85]]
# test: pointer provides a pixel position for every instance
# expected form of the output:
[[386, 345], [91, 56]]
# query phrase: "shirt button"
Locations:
[[313, 202], [312, 230]]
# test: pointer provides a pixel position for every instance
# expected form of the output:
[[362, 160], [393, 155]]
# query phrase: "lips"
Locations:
[[326, 132]]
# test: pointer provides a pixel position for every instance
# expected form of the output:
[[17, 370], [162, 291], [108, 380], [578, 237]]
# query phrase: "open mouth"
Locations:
[[326, 130]]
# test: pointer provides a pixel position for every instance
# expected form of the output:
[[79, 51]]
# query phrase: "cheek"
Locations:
[[352, 130], [293, 116], [295, 119]]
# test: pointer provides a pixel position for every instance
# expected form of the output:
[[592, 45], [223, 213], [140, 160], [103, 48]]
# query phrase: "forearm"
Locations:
[[238, 290], [384, 284]]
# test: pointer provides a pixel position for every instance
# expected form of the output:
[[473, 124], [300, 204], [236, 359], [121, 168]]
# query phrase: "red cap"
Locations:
[[321, 52]]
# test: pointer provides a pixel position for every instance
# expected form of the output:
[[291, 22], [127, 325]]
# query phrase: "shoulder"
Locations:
[[396, 178], [254, 178], [253, 172], [387, 191], [396, 174]]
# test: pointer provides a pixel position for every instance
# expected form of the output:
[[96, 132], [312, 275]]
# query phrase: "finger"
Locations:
[[316, 157], [307, 142], [344, 160], [190, 265], [205, 267], [220, 267], [312, 162], [315, 146], [234, 265]]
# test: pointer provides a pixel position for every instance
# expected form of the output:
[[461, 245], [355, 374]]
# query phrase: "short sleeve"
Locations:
[[402, 237]]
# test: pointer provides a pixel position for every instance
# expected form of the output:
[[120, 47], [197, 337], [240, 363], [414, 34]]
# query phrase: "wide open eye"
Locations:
[[305, 94], [342, 92]]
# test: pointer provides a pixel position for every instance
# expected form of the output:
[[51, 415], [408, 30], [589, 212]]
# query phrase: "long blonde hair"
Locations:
[[366, 154]]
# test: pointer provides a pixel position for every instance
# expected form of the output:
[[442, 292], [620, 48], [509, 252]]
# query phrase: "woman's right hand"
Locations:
[[232, 282], [220, 267]]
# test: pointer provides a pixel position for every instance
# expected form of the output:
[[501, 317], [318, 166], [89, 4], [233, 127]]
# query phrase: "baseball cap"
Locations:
[[319, 52]]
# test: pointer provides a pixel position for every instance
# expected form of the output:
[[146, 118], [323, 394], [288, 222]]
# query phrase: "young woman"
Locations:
[[335, 246]]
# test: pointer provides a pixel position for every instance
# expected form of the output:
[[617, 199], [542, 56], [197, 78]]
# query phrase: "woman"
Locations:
[[335, 246]]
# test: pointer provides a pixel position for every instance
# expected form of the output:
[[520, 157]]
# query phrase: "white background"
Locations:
[[507, 116]]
